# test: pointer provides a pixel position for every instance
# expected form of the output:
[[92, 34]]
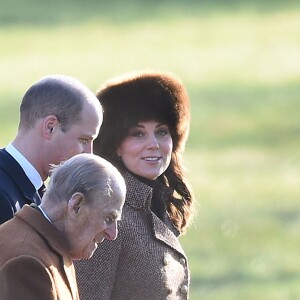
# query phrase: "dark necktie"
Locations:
[[41, 190], [38, 195]]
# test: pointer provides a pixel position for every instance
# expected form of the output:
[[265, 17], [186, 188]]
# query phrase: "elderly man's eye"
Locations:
[[109, 220]]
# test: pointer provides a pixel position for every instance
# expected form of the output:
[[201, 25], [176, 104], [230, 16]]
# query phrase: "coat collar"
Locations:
[[138, 194], [167, 233], [35, 219], [139, 197]]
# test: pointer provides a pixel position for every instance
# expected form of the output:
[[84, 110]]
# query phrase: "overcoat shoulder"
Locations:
[[34, 261]]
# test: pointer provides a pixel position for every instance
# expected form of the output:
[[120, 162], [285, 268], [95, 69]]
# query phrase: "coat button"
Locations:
[[182, 261], [184, 289]]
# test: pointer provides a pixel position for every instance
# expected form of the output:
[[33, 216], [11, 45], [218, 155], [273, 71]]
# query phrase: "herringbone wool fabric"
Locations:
[[145, 262]]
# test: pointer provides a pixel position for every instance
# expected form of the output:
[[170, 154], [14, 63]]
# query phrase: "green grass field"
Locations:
[[240, 62]]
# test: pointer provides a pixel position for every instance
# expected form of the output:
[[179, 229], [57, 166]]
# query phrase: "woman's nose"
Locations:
[[153, 142]]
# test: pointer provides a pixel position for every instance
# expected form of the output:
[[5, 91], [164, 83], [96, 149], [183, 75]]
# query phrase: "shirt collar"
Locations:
[[28, 168], [44, 213]]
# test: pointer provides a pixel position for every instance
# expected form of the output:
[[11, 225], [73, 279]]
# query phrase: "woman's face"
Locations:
[[147, 149]]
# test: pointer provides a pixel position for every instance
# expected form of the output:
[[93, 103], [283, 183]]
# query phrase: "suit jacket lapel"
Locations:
[[17, 174]]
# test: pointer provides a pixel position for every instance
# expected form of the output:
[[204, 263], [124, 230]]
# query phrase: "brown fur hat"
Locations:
[[142, 96]]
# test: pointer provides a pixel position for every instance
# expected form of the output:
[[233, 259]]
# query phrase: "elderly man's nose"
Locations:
[[111, 232]]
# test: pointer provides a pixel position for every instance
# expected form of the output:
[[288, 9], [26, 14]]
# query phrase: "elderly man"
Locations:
[[59, 117], [80, 208]]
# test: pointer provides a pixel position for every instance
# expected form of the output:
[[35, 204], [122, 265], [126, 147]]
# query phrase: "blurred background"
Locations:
[[240, 62]]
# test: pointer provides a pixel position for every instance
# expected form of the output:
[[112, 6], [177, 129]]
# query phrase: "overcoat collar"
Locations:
[[139, 197], [54, 239]]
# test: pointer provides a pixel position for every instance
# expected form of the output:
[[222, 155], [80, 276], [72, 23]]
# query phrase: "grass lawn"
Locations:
[[240, 62]]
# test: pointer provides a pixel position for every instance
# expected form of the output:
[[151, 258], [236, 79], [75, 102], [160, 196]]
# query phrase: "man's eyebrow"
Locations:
[[117, 216], [86, 137], [114, 215]]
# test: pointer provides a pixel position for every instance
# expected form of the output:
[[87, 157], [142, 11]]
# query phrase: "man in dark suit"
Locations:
[[59, 117], [79, 210]]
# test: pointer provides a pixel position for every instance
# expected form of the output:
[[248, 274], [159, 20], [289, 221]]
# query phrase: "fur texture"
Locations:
[[142, 96]]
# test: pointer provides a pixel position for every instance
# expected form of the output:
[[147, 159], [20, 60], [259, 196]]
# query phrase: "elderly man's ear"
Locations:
[[75, 204]]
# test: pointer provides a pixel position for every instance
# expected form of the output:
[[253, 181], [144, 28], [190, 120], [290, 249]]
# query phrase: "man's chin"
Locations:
[[90, 253], [85, 255], [93, 251]]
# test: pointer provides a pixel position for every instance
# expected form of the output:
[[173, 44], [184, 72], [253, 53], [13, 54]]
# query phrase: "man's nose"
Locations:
[[88, 148], [111, 232]]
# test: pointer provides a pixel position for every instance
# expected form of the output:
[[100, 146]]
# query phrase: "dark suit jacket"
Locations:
[[146, 261], [15, 187], [34, 260]]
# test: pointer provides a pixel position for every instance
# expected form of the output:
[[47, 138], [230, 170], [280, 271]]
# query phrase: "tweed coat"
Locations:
[[34, 260], [15, 187], [145, 262]]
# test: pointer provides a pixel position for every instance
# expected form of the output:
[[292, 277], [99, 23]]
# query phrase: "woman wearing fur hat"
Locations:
[[145, 127]]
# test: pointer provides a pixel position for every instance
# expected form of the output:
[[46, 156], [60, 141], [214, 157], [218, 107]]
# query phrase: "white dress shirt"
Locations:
[[45, 214]]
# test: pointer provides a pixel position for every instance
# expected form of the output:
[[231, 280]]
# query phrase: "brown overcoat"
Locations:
[[145, 262], [34, 260]]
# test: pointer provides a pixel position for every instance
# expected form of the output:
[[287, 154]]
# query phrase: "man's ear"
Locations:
[[50, 125], [75, 203]]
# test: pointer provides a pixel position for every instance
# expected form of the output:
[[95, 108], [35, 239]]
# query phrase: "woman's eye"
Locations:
[[137, 134], [162, 132]]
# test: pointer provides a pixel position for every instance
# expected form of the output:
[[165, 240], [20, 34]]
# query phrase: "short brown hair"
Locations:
[[57, 95]]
